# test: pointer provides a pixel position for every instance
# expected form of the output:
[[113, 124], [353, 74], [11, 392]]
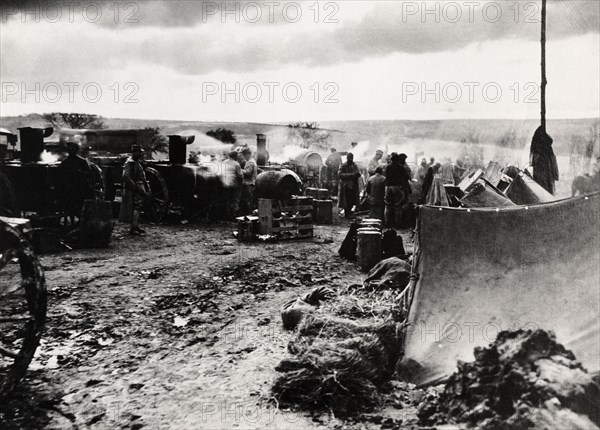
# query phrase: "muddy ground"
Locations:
[[177, 329]]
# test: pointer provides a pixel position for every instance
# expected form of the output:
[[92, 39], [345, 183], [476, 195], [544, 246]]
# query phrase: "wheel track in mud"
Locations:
[[112, 310]]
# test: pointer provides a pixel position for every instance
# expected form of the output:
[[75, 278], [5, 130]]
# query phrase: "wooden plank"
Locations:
[[293, 228], [265, 214], [296, 208]]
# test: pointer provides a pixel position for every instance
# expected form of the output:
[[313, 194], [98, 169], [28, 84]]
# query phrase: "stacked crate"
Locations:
[[323, 205], [289, 219]]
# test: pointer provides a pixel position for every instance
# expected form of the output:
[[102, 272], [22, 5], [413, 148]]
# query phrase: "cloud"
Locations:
[[190, 37]]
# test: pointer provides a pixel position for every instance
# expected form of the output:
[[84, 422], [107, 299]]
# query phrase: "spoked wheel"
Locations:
[[22, 306], [98, 182], [157, 205]]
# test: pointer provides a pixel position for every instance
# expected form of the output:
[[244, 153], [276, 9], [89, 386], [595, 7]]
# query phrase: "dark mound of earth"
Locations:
[[524, 380]]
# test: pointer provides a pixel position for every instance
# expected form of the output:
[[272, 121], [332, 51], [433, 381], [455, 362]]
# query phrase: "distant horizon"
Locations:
[[279, 123]]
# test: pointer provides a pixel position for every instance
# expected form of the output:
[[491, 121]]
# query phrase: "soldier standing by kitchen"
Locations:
[[250, 172], [77, 182], [233, 179], [397, 189], [348, 174], [136, 191], [376, 191], [333, 163], [374, 163]]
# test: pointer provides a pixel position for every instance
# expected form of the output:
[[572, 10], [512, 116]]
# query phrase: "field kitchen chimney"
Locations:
[[32, 143], [178, 149], [261, 150]]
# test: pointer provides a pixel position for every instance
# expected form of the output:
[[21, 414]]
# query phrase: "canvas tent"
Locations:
[[479, 271]]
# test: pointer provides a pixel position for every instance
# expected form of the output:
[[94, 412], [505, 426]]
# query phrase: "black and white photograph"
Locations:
[[312, 214]]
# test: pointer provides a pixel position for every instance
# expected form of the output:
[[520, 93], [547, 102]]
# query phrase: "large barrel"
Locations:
[[96, 223], [368, 249], [278, 184], [310, 159]]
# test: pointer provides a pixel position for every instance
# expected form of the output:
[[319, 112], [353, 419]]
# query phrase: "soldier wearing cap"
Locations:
[[348, 193], [77, 182], [137, 190], [250, 171]]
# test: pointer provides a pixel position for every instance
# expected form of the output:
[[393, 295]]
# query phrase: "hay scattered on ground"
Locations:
[[338, 365], [525, 379], [343, 353]]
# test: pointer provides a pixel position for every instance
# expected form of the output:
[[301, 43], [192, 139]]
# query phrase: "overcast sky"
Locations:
[[282, 61]]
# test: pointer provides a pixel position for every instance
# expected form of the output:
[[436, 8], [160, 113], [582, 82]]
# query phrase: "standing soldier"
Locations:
[[396, 189], [348, 175], [232, 185], [447, 172], [403, 158], [376, 191], [333, 163], [374, 163], [422, 170], [137, 191], [77, 183], [250, 172]]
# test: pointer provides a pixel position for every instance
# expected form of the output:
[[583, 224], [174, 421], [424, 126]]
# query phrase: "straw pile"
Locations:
[[338, 365]]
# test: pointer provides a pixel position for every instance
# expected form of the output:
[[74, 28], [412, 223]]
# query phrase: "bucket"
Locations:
[[368, 249], [371, 222], [248, 228], [323, 212], [96, 223]]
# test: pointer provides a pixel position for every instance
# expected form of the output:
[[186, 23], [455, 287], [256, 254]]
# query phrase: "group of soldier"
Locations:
[[238, 178], [387, 187], [78, 186], [76, 183], [239, 183], [387, 183]]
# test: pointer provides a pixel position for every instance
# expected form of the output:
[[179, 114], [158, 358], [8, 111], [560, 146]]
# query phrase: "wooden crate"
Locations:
[[290, 219]]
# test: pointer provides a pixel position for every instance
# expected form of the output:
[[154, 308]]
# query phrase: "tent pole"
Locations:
[[544, 81]]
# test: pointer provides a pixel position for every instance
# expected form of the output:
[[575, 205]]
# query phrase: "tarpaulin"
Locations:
[[485, 270]]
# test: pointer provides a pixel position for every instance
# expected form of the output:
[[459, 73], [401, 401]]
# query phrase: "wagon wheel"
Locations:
[[22, 306], [156, 207], [8, 200], [98, 182]]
